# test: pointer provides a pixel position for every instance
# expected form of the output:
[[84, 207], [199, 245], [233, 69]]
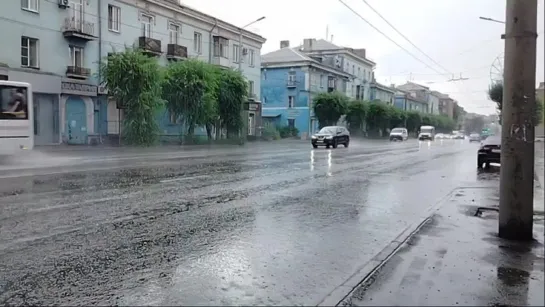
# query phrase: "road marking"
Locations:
[[184, 178]]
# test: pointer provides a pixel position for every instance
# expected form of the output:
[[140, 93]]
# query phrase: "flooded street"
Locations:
[[265, 224]]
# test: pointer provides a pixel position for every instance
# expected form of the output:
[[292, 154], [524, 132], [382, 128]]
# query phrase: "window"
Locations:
[[251, 61], [221, 47], [291, 123], [114, 18], [174, 33], [146, 22], [29, 52], [197, 42], [353, 69], [292, 78], [173, 118], [322, 81], [30, 5], [76, 56], [251, 88], [13, 102], [291, 101], [264, 100], [236, 53]]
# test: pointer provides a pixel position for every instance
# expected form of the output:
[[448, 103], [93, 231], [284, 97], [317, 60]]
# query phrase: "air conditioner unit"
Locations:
[[244, 51], [63, 4]]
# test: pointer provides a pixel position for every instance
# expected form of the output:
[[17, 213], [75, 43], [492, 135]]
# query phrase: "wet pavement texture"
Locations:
[[456, 258], [270, 224]]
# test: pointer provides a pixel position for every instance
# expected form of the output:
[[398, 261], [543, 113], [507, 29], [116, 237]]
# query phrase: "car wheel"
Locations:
[[315, 146], [346, 144], [335, 144]]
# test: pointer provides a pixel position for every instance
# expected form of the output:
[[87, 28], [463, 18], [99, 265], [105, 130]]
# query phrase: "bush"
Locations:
[[270, 133], [286, 132]]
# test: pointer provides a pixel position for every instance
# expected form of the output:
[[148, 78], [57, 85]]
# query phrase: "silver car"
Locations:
[[474, 137]]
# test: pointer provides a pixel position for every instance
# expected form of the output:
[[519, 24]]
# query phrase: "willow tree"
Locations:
[[232, 92], [329, 107], [134, 81], [189, 88]]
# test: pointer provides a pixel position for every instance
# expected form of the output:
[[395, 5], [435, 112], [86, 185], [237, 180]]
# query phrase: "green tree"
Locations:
[[355, 115], [329, 107], [414, 121], [232, 92], [398, 117], [134, 81], [189, 88], [378, 117], [495, 93]]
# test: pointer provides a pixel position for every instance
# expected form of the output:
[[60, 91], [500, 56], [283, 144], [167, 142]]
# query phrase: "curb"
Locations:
[[338, 296]]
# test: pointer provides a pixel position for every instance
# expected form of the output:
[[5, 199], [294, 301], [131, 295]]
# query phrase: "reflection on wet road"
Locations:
[[274, 224]]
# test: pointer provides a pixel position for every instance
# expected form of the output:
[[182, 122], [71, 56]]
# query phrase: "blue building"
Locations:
[[54, 46], [382, 93], [57, 45], [191, 34], [289, 80], [410, 102]]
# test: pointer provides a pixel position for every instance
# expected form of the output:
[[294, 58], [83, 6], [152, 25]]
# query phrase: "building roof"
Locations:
[[322, 45], [412, 86], [383, 87], [441, 95], [284, 55]]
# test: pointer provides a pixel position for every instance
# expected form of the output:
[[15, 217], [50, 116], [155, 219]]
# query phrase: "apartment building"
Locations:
[[57, 45]]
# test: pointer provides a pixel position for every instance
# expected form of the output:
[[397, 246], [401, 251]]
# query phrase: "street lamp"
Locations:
[[240, 41], [491, 19]]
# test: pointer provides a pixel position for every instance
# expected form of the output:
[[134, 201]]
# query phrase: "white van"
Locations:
[[399, 134], [426, 133]]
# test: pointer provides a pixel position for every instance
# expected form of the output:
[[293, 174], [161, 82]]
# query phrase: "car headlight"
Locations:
[[329, 137], [313, 137]]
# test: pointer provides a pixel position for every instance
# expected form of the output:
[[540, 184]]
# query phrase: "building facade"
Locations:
[[289, 80], [54, 46], [408, 101], [349, 60], [58, 45], [382, 93], [446, 105], [170, 31], [423, 93]]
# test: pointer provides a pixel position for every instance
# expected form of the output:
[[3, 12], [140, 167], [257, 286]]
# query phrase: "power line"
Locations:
[[405, 37], [387, 37]]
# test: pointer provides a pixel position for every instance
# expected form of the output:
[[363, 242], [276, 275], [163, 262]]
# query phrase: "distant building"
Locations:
[[422, 93], [409, 101], [291, 76], [382, 93], [446, 104]]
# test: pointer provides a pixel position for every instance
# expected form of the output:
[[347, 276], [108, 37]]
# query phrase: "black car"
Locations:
[[489, 152], [331, 136]]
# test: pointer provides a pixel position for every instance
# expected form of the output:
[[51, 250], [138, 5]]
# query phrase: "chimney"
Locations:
[[360, 52], [284, 44], [308, 43]]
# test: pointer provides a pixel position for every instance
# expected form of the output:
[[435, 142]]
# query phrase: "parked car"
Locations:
[[331, 136], [439, 136], [399, 134], [459, 136], [474, 137], [489, 152]]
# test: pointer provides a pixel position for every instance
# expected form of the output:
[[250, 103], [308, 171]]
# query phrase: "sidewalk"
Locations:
[[457, 259]]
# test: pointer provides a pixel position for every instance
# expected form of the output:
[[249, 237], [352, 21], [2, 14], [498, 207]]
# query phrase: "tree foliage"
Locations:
[[232, 91], [495, 93], [134, 81], [374, 116], [189, 89], [329, 107]]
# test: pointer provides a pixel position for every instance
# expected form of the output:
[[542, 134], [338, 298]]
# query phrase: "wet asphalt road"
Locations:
[[268, 224]]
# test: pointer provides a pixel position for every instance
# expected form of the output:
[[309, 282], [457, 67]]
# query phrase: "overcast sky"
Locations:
[[449, 31]]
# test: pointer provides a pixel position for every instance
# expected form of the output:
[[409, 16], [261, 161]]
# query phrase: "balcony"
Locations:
[[291, 84], [77, 72], [150, 45], [78, 29], [221, 61], [176, 52]]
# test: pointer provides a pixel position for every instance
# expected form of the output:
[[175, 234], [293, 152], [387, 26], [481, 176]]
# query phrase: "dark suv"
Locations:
[[489, 152], [331, 136]]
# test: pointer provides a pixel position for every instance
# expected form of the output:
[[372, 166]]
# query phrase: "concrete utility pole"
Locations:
[[517, 150]]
